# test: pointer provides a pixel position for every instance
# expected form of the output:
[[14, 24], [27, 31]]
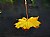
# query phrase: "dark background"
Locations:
[[12, 12]]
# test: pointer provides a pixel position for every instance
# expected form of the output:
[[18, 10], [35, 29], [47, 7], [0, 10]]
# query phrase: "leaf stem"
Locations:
[[26, 9]]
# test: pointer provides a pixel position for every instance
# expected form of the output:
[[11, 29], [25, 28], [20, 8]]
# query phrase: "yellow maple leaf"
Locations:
[[27, 23]]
